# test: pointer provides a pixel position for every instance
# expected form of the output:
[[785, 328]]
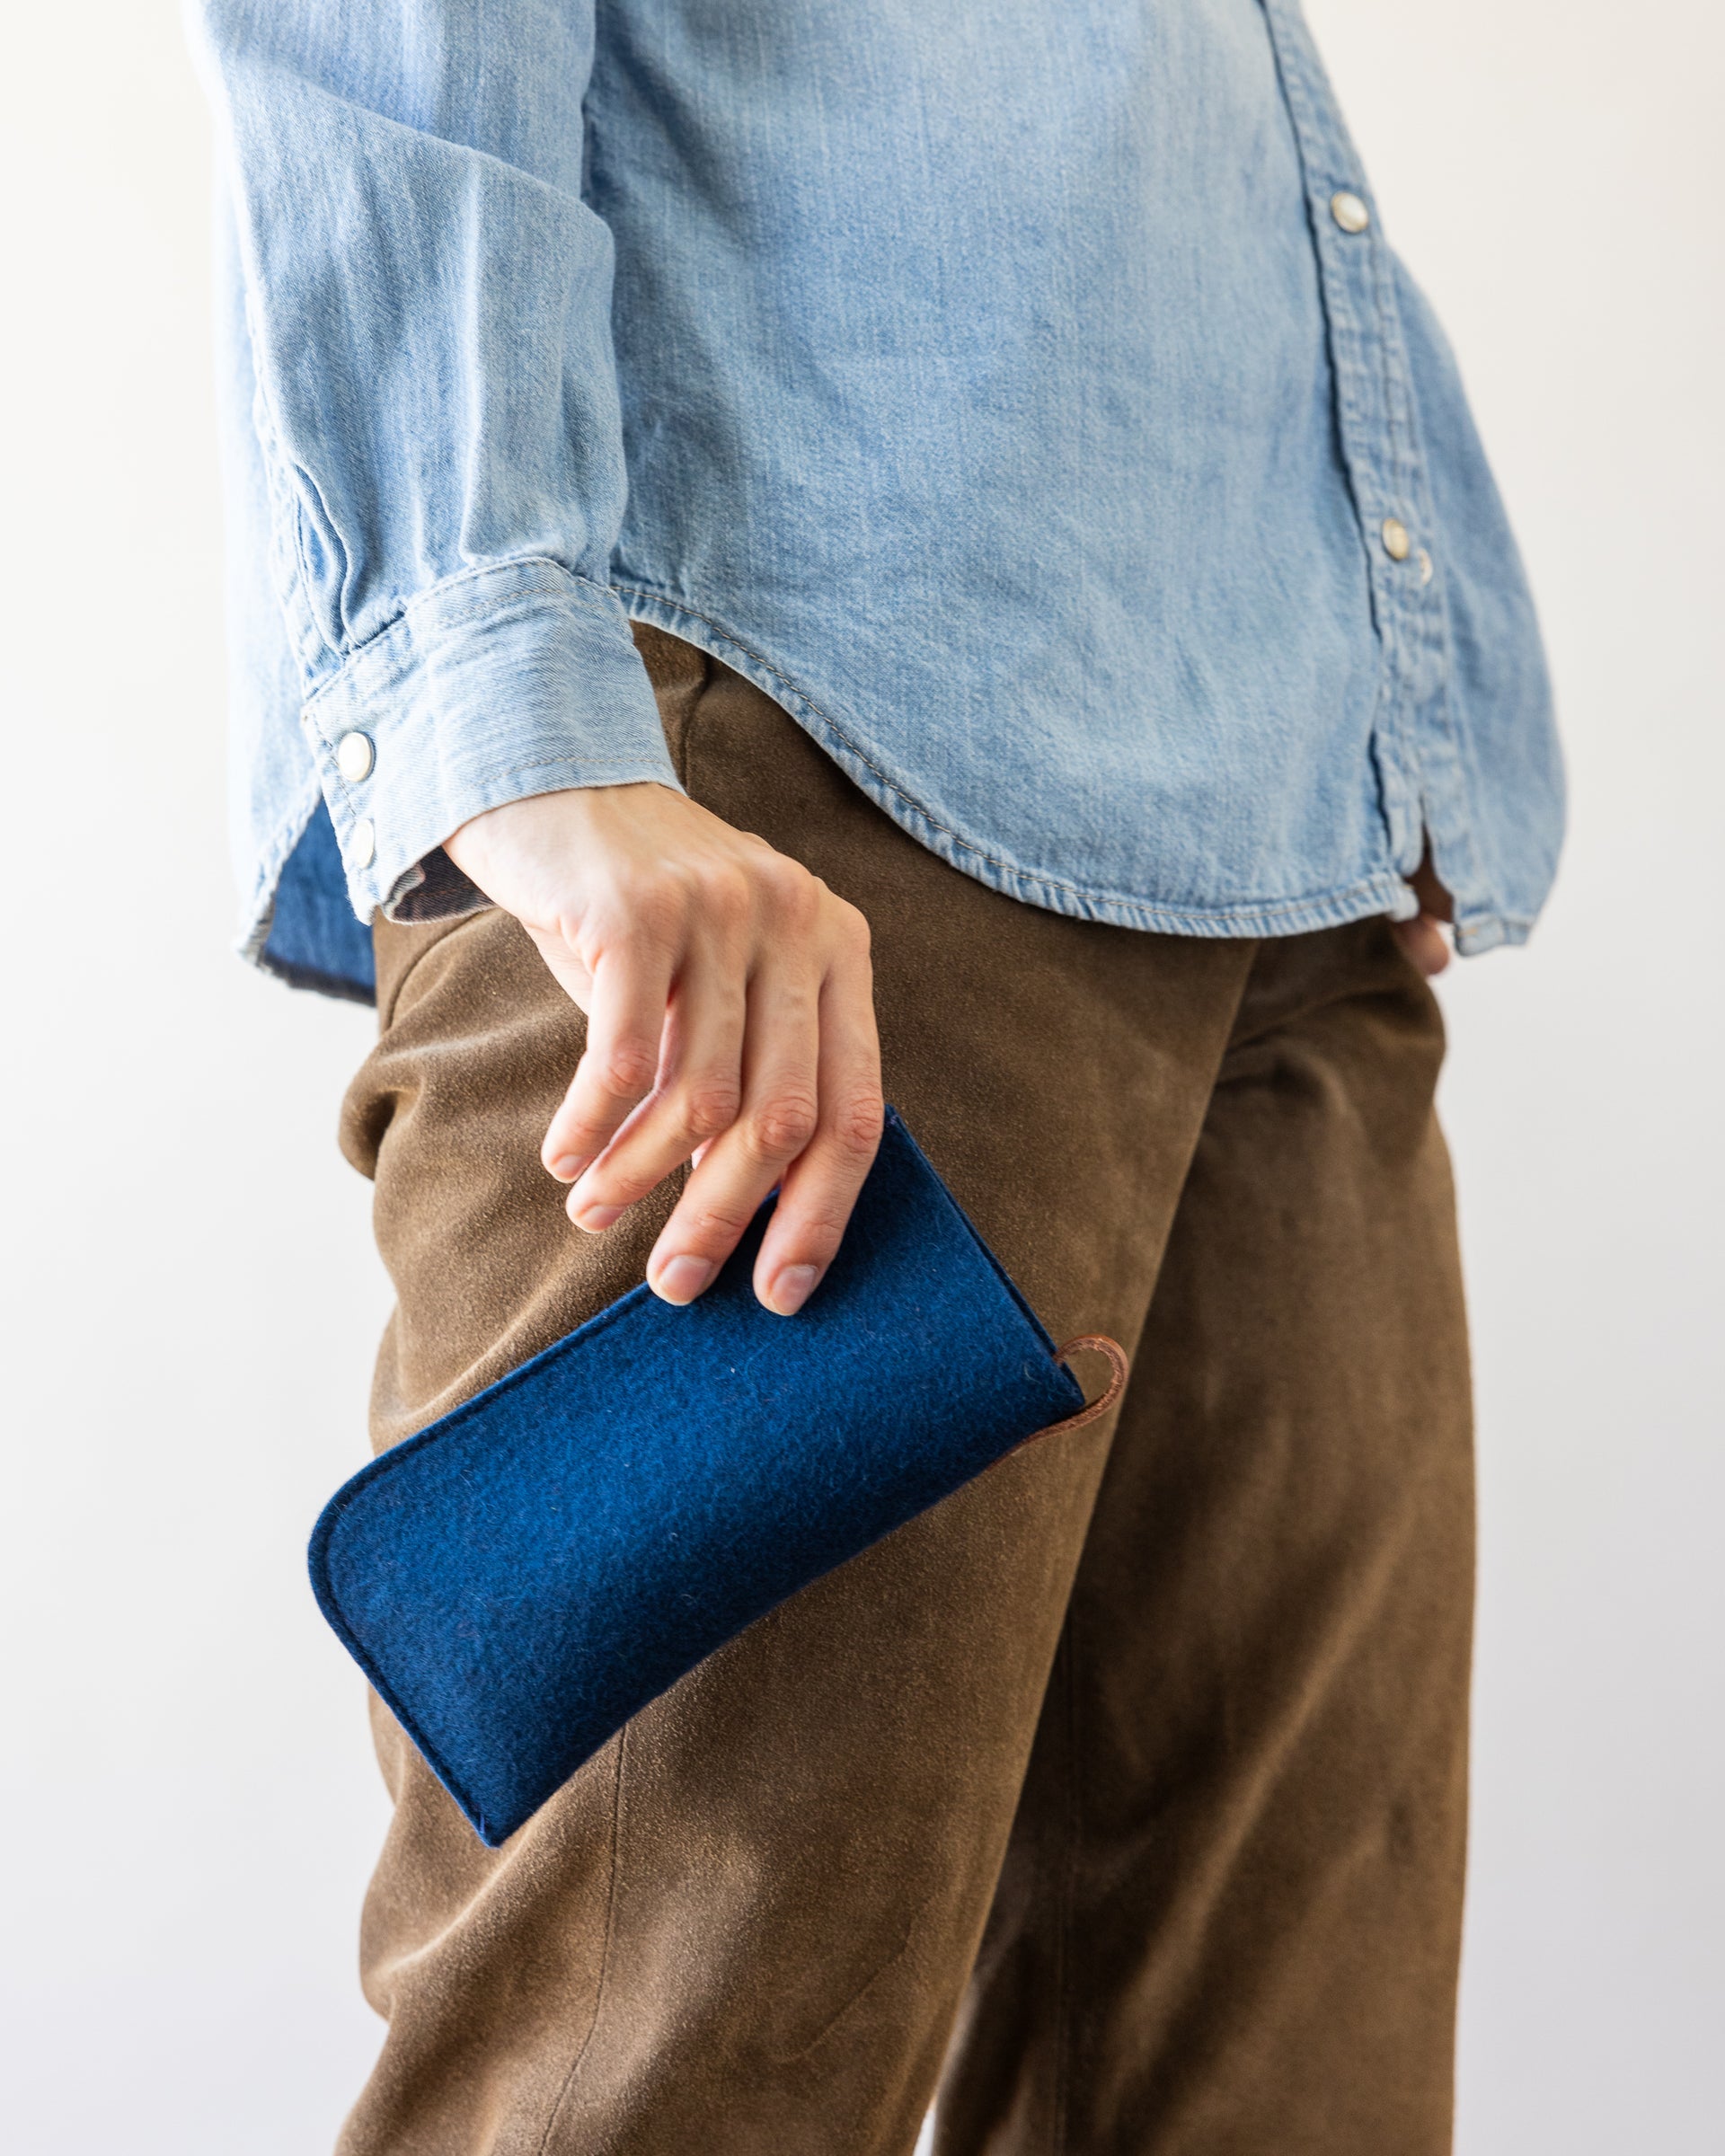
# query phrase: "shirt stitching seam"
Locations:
[[1265, 907], [538, 574]]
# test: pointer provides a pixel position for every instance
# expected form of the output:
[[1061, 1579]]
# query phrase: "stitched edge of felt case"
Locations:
[[365, 1483]]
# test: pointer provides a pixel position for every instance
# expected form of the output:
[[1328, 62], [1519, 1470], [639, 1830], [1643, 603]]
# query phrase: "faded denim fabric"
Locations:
[[1000, 388]]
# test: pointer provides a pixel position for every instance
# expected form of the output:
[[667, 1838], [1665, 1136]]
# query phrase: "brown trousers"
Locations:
[[1130, 1783]]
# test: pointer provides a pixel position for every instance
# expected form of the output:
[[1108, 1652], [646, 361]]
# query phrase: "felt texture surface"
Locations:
[[522, 1576]]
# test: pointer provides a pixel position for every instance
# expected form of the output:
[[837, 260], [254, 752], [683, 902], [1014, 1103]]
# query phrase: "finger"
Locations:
[[776, 1121], [819, 1188], [1424, 943], [632, 986], [698, 1091]]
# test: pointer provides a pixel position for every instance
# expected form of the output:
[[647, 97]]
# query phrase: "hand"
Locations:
[[730, 1022], [1422, 938]]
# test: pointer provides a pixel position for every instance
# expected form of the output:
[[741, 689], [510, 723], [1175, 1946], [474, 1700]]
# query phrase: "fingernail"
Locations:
[[681, 1280], [597, 1219], [792, 1288], [566, 1166]]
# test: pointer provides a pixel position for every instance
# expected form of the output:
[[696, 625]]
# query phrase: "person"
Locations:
[[788, 556]]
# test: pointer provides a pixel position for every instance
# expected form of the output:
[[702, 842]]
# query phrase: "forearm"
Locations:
[[426, 321]]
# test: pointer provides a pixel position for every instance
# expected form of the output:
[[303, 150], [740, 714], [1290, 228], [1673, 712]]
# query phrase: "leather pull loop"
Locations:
[[1120, 1366]]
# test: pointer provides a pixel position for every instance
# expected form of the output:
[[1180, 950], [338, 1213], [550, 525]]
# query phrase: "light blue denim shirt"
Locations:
[[1024, 395]]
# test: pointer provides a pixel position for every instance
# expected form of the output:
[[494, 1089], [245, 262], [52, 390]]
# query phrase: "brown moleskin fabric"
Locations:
[[1130, 1782]]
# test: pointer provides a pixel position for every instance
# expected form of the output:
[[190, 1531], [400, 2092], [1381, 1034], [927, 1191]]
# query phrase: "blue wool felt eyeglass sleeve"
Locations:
[[522, 1576]]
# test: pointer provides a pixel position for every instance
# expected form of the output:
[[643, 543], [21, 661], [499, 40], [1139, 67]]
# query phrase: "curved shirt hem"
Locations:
[[1381, 892]]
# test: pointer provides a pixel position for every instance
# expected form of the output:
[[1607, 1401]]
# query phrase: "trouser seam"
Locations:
[[446, 927], [584, 2044], [1065, 1897]]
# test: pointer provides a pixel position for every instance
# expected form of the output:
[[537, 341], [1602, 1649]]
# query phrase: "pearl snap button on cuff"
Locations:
[[362, 847], [1396, 543], [354, 756]]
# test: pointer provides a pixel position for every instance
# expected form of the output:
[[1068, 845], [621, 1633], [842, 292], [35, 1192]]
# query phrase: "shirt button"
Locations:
[[1349, 211], [1425, 566], [354, 757], [362, 846], [1394, 535]]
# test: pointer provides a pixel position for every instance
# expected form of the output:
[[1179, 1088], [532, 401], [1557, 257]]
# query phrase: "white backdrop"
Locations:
[[189, 1803]]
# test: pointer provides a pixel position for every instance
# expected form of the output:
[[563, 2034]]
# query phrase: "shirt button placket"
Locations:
[[1371, 388], [1352, 216]]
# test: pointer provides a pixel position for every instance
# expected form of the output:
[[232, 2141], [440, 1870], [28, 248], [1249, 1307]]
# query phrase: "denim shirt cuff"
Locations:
[[515, 679]]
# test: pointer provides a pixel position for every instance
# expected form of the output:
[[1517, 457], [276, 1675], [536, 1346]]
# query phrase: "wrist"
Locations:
[[539, 830]]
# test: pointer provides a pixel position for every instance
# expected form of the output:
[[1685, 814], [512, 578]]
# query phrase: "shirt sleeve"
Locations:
[[426, 303]]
